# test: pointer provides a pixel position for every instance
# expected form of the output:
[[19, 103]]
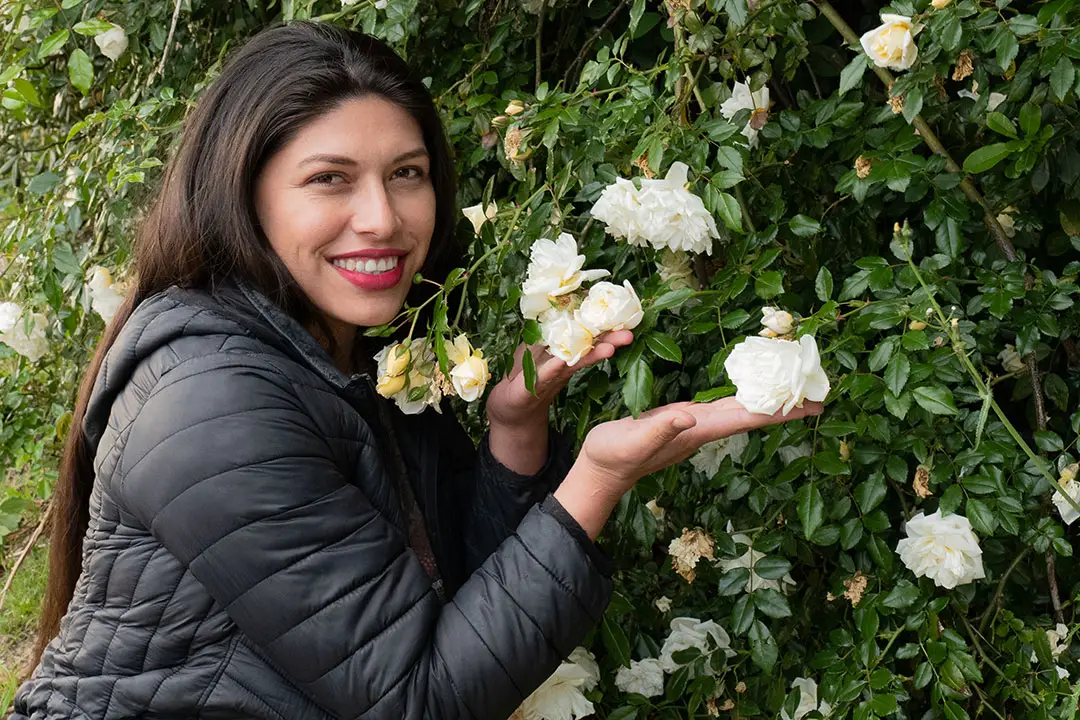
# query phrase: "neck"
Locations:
[[344, 337]]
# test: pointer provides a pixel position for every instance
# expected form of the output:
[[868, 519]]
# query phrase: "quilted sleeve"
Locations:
[[224, 466]]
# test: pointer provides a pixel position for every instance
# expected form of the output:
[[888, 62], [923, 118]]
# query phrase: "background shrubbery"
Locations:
[[818, 218]]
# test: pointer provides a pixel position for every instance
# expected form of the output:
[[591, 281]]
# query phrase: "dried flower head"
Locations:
[[965, 66], [687, 549]]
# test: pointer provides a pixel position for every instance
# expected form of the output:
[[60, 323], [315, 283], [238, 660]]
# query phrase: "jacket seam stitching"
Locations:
[[558, 581], [487, 647], [506, 591]]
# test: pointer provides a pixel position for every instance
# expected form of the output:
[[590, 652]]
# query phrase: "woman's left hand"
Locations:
[[518, 419]]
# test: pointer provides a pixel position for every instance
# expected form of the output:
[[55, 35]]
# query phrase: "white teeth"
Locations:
[[370, 266]]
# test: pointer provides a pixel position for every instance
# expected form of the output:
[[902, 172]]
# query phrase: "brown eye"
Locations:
[[326, 179], [409, 173]]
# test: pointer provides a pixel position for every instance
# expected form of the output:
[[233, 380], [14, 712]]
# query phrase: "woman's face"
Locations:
[[349, 207]]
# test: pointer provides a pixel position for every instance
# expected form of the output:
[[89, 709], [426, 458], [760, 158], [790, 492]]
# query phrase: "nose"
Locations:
[[373, 213]]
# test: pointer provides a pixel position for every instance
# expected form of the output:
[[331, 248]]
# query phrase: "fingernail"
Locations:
[[682, 423]]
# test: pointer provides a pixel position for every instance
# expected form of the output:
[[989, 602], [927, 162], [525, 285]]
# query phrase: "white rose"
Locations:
[[808, 700], [663, 603], [674, 269], [756, 102], [773, 374], [892, 44], [470, 378], [776, 322], [944, 549], [709, 456], [478, 215], [566, 337], [940, 4], [672, 217], [554, 270], [587, 662], [112, 42], [749, 560], [30, 344], [610, 307], [1067, 485], [644, 677], [618, 207], [103, 298], [562, 696], [687, 632], [1011, 360]]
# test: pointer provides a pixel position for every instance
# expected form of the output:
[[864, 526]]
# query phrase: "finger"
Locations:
[[726, 417], [662, 428], [616, 338]]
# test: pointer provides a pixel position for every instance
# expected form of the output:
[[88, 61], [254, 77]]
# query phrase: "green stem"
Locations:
[[1021, 693], [885, 650], [1001, 589]]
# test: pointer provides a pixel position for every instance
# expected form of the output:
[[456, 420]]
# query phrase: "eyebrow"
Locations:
[[342, 160]]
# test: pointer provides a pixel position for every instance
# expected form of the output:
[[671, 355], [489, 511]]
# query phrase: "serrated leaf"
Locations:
[[811, 508], [898, 406], [986, 157], [771, 603], [870, 493], [936, 400], [733, 582], [637, 390], [730, 212], [897, 372], [772, 567], [664, 346], [763, 650], [1000, 124], [769, 284], [804, 226], [1062, 77], [903, 595], [823, 284], [852, 75], [1030, 118], [880, 355]]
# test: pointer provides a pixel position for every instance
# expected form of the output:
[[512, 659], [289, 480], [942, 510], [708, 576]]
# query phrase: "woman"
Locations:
[[265, 536]]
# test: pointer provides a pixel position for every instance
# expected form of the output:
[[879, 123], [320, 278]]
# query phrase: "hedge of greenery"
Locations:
[[920, 221]]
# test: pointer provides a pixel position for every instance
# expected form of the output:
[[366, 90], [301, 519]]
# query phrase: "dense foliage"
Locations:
[[921, 225]]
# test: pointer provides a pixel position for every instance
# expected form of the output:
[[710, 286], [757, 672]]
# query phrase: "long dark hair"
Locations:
[[202, 230]]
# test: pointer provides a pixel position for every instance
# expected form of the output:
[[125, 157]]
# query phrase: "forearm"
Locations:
[[521, 449], [588, 500]]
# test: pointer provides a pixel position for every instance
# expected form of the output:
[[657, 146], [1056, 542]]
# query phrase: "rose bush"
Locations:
[[899, 182]]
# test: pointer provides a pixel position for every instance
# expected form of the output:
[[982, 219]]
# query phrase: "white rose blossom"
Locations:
[[662, 214], [555, 270], [756, 102], [776, 322], [944, 549], [610, 307], [469, 374], [103, 296], [1054, 638], [33, 344], [674, 268], [773, 374], [892, 44], [644, 677], [478, 215], [1067, 485], [688, 632], [749, 560], [562, 696], [708, 458], [566, 337], [113, 42], [808, 700]]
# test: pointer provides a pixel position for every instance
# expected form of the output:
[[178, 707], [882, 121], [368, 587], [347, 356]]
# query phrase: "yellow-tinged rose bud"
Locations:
[[516, 107], [500, 121], [917, 325], [388, 386], [397, 360], [845, 451], [940, 4]]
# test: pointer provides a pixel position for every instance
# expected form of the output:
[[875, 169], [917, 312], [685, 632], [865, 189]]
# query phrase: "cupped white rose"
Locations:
[[619, 209], [112, 42], [104, 298], [749, 560], [562, 696], [478, 215], [944, 549], [892, 44], [773, 374], [674, 269], [555, 269], [756, 102], [31, 344], [1067, 485], [709, 456], [566, 337], [808, 700], [611, 307], [672, 217], [688, 632], [644, 677], [776, 322], [470, 378]]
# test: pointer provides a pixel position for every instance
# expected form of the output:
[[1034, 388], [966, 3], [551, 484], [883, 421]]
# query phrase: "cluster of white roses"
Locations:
[[663, 214], [25, 336], [772, 372], [409, 374], [569, 321]]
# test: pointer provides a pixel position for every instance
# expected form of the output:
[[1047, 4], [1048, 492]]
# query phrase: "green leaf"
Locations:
[[1030, 118], [881, 354], [981, 516], [772, 567], [528, 370], [804, 226], [92, 27], [823, 284], [671, 299], [80, 70], [43, 183], [1049, 441], [637, 390], [1062, 77], [763, 650], [742, 615], [730, 212], [898, 406], [811, 508], [664, 346], [769, 284], [615, 641], [1001, 125], [733, 582], [771, 603], [532, 333], [52, 44], [852, 75], [951, 32], [897, 372], [950, 500], [937, 400], [986, 157], [883, 704], [636, 11], [870, 493], [903, 595]]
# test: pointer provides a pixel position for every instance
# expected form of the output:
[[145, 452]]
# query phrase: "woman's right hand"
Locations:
[[617, 454]]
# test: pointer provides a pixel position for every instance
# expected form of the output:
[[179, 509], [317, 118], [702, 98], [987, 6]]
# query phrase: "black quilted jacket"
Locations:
[[248, 556]]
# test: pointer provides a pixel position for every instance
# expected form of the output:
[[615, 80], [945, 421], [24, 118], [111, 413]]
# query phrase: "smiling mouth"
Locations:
[[371, 266]]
